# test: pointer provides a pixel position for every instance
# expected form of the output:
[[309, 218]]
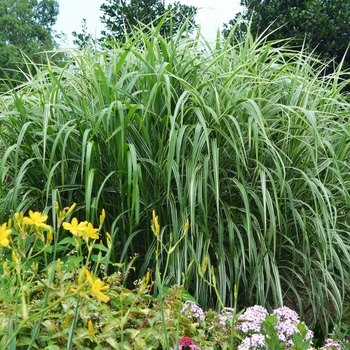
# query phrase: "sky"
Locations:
[[211, 15]]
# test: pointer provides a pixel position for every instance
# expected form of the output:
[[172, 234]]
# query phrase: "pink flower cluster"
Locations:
[[250, 323]]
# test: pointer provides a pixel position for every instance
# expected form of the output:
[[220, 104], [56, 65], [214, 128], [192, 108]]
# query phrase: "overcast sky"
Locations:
[[211, 15]]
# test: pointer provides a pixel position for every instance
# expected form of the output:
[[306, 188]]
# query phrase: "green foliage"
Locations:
[[341, 331], [83, 39], [121, 17], [249, 142], [298, 339], [320, 25], [26, 30], [49, 303]]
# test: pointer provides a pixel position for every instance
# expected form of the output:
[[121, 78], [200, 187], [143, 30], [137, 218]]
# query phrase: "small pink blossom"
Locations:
[[255, 341], [186, 343], [251, 319], [193, 311], [226, 316], [331, 345]]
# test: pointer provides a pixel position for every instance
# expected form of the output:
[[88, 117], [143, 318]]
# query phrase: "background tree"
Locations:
[[121, 16], [84, 39], [26, 28], [324, 25]]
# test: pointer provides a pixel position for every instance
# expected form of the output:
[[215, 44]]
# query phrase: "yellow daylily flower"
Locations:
[[97, 286], [91, 328], [49, 237], [109, 240], [74, 227], [155, 224], [88, 275], [19, 216], [80, 289], [90, 232], [14, 258], [36, 219], [102, 217], [4, 233], [71, 208]]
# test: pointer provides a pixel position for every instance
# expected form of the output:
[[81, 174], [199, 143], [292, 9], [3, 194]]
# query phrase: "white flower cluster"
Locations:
[[226, 316], [331, 344], [287, 325], [250, 324], [255, 341], [193, 311], [251, 319]]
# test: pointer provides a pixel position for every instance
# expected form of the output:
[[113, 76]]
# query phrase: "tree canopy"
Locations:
[[26, 28], [322, 25], [121, 16]]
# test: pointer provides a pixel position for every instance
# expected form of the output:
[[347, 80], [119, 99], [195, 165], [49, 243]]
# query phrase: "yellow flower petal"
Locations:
[[4, 233], [36, 219], [91, 327], [90, 231], [97, 287], [74, 227], [102, 217]]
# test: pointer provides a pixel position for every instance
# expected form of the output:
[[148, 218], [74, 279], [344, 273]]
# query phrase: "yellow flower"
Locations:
[[36, 219], [91, 328], [90, 232], [4, 233], [85, 272], [49, 237], [97, 286], [81, 282], [71, 208], [35, 266], [74, 227], [18, 216], [109, 240], [102, 217], [155, 224], [14, 257]]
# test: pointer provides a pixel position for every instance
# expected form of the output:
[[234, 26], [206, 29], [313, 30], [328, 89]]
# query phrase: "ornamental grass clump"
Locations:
[[248, 140]]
